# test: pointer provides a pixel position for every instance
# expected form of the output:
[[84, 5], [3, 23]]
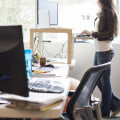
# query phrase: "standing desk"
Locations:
[[53, 112], [84, 38], [53, 30]]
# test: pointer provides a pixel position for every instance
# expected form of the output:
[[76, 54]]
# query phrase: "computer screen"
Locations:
[[13, 77], [52, 7]]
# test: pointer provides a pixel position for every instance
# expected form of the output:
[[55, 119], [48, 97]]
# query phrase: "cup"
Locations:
[[42, 61], [28, 60]]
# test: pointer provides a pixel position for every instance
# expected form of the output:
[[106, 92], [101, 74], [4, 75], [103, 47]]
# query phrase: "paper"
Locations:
[[43, 74], [43, 71]]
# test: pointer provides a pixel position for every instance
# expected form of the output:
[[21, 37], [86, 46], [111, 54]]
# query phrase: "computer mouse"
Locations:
[[49, 65]]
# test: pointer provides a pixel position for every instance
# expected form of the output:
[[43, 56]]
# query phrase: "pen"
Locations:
[[36, 71]]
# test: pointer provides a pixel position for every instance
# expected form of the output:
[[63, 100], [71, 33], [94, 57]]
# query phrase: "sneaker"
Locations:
[[115, 112], [106, 116], [115, 107]]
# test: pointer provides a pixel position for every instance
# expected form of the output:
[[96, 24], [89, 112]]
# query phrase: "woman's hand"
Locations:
[[86, 32]]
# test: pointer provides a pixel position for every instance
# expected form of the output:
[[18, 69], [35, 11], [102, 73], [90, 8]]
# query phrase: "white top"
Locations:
[[101, 46]]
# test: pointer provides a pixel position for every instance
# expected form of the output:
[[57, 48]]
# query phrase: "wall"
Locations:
[[84, 55]]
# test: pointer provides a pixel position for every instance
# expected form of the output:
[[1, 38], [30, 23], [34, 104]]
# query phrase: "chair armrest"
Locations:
[[97, 110], [83, 112], [71, 92]]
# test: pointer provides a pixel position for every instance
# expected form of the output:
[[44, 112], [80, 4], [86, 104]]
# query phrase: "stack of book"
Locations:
[[35, 101]]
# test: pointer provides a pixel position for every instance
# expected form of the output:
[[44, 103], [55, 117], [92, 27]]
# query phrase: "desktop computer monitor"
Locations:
[[13, 77], [42, 9]]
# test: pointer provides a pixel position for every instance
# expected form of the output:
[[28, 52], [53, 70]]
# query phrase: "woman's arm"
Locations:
[[110, 28]]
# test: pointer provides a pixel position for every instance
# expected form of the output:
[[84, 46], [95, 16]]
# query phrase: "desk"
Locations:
[[53, 112], [83, 38]]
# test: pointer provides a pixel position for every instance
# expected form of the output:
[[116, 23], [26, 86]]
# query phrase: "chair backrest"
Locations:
[[83, 93]]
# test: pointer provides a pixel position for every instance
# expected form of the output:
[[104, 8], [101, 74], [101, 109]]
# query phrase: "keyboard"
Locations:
[[45, 85], [82, 35]]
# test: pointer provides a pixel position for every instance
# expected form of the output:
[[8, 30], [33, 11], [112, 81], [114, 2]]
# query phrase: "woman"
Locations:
[[106, 25]]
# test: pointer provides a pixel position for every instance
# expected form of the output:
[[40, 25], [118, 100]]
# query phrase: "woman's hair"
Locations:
[[109, 4]]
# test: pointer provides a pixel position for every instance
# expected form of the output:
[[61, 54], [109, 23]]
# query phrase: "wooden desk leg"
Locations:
[[69, 47], [40, 43], [32, 41]]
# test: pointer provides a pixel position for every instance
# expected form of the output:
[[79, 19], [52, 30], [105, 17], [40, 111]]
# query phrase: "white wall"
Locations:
[[84, 55]]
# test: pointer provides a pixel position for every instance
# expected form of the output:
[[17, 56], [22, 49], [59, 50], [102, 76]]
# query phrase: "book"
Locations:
[[31, 106]]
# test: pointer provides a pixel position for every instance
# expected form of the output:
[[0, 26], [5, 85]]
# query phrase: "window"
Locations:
[[18, 12], [77, 16]]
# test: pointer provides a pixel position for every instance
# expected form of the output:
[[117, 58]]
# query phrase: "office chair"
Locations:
[[80, 99]]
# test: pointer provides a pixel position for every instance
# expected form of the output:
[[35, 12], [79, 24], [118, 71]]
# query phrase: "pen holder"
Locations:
[[42, 61]]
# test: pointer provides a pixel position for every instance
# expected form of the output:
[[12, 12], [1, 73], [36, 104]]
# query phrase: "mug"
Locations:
[[42, 61]]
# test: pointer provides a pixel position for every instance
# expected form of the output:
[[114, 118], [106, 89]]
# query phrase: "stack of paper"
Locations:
[[43, 71], [35, 101]]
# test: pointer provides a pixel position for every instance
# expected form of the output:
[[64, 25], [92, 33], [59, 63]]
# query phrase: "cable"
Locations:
[[57, 54], [36, 43], [36, 46]]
